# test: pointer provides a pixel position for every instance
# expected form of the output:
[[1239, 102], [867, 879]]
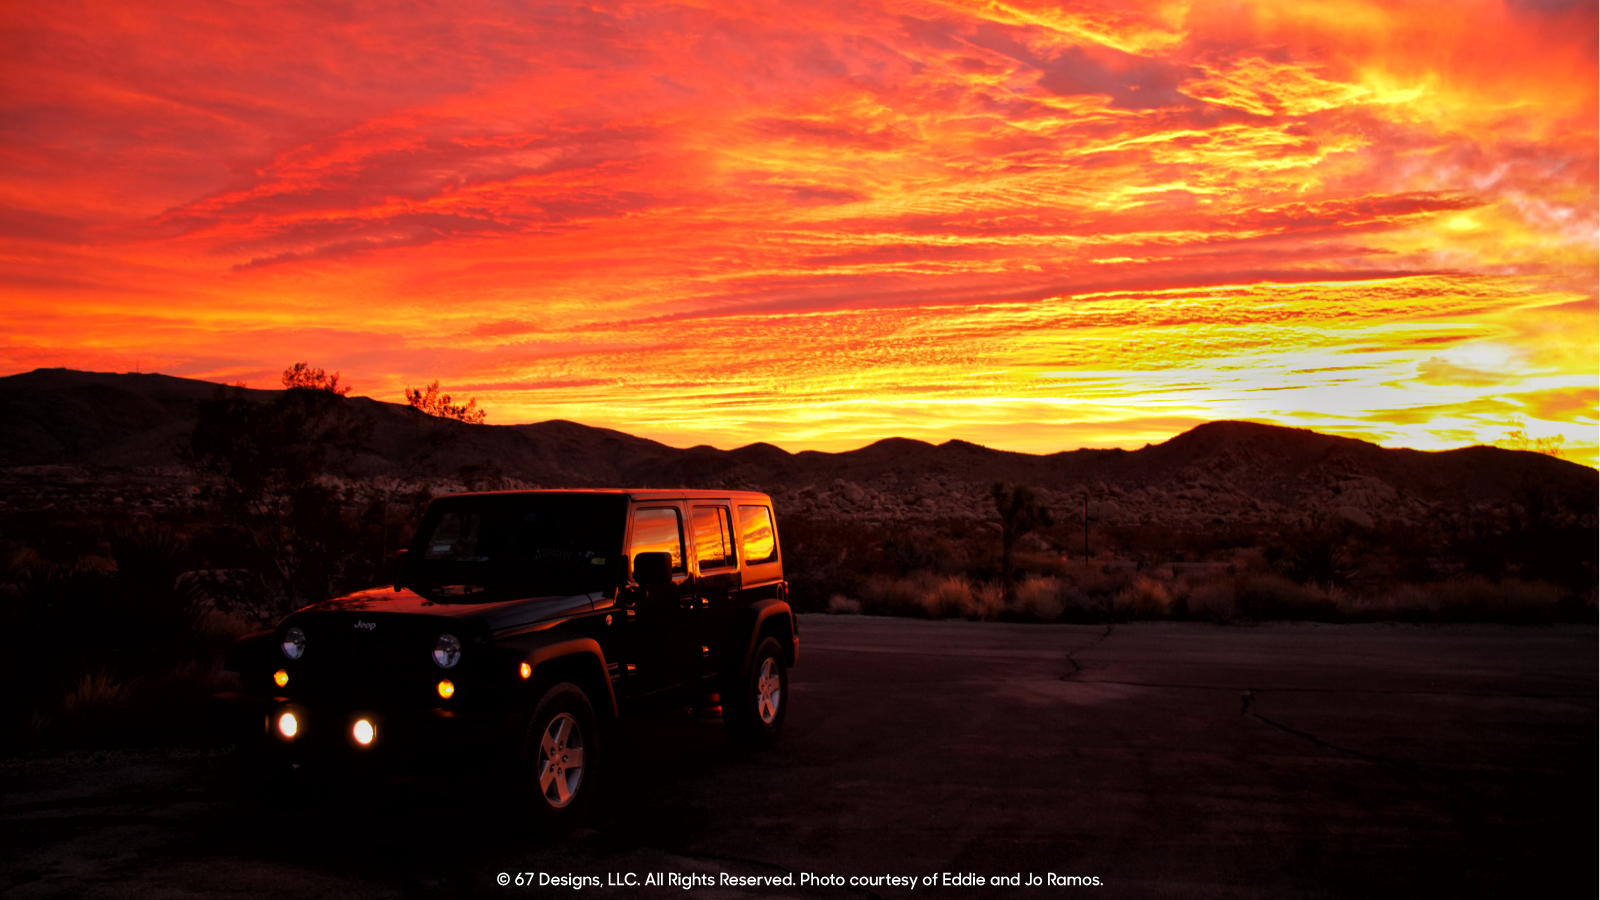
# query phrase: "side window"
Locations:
[[656, 531], [456, 537], [711, 537], [756, 536]]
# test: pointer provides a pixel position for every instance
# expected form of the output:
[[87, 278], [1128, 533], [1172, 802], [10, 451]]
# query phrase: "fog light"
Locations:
[[280, 678], [525, 670], [363, 732], [288, 725], [447, 689]]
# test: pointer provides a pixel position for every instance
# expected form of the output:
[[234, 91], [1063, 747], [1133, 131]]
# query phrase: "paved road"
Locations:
[[1164, 759]]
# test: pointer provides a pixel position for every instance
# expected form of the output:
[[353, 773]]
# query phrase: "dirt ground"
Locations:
[[1162, 759]]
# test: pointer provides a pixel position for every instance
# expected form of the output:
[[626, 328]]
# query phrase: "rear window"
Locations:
[[757, 538]]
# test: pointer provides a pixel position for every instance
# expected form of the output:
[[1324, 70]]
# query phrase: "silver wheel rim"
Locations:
[[769, 691], [560, 760]]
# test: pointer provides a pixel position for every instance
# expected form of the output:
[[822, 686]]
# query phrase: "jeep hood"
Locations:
[[500, 616]]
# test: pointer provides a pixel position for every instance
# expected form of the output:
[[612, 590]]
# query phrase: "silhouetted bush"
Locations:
[[89, 638]]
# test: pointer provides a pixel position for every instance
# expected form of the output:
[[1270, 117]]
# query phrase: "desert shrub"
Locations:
[[1098, 581], [94, 637], [889, 595], [1040, 598], [840, 605], [1268, 596], [985, 602], [1145, 597], [1076, 606], [949, 596], [1469, 598], [93, 693], [1215, 599]]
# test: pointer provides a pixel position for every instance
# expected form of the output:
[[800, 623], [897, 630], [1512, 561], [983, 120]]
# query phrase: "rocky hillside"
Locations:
[[102, 431]]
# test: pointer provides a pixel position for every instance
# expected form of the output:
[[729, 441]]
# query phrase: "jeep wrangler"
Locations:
[[527, 621]]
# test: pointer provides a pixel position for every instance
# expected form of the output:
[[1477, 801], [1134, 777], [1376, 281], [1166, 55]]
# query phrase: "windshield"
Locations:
[[493, 547]]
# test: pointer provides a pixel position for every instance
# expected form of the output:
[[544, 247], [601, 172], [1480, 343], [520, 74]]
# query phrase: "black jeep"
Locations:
[[527, 620]]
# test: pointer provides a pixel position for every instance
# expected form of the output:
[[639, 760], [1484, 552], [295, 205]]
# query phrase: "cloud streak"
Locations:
[[845, 219]]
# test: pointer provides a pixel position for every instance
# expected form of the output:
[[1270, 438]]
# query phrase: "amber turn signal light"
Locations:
[[447, 689], [288, 725], [525, 670], [280, 678], [363, 732]]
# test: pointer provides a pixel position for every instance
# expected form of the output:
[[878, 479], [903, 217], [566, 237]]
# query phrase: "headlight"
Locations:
[[294, 643], [447, 652]]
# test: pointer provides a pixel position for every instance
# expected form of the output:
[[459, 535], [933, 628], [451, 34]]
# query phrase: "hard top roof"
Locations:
[[631, 493]]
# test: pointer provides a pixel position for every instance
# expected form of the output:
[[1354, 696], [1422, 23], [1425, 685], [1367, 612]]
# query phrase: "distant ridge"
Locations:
[[95, 419]]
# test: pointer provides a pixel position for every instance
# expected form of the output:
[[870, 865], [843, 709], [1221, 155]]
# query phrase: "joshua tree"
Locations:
[[1020, 513]]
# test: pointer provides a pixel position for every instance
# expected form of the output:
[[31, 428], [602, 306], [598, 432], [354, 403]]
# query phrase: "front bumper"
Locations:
[[326, 732]]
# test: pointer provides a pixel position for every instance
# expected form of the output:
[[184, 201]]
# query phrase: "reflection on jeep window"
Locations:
[[456, 538], [529, 545], [711, 545], [658, 531], [755, 528]]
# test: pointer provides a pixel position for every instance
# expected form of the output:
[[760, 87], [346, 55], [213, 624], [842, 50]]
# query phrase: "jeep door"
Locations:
[[661, 640], [717, 579]]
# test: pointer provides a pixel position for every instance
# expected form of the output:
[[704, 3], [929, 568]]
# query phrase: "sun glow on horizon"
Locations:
[[1034, 226]]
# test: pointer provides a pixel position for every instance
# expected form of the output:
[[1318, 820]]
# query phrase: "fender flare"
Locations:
[[545, 647], [249, 650], [760, 612]]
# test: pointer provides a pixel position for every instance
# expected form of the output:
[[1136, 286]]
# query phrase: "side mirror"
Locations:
[[399, 568], [653, 568]]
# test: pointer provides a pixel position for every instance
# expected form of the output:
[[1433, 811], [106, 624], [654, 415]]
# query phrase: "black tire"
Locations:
[[755, 706], [555, 783]]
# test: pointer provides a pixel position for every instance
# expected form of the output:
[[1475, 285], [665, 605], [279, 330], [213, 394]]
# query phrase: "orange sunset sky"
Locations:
[[1036, 226]]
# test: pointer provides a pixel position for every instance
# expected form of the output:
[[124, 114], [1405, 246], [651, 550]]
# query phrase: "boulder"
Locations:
[[1354, 516]]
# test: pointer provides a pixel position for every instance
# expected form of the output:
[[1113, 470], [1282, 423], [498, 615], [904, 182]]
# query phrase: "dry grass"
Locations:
[[950, 597], [1215, 599], [1459, 598], [888, 596], [1264, 596], [1146, 597], [987, 602], [95, 693], [1040, 598], [1099, 592], [840, 605]]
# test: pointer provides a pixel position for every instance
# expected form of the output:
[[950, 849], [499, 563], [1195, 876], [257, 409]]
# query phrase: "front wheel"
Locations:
[[758, 704], [559, 754]]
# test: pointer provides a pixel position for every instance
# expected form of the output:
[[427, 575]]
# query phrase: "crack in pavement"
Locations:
[[1247, 704], [1070, 653], [1461, 792]]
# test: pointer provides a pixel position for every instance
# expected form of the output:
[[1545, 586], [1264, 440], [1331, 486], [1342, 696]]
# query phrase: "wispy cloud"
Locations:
[[828, 222]]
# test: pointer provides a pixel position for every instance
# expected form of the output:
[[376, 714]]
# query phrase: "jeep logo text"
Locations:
[[367, 625]]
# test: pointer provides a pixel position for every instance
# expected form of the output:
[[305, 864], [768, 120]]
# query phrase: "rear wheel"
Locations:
[[754, 711], [559, 752]]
